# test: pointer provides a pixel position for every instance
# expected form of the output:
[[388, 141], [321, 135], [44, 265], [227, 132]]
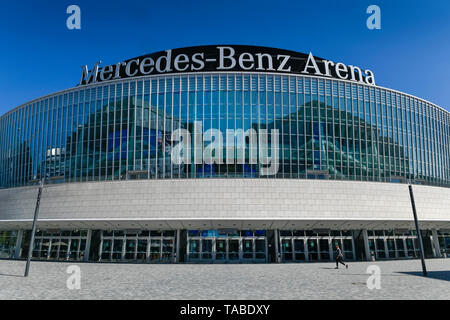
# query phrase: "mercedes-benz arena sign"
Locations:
[[226, 58], [225, 153]]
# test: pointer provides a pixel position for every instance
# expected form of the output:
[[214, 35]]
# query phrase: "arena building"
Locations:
[[225, 153]]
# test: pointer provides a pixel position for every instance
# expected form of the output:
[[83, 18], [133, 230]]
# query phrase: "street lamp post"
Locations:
[[419, 234], [36, 213], [33, 230]]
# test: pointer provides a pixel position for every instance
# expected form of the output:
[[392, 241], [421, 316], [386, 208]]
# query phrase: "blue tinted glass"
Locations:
[[193, 233], [248, 233], [210, 233]]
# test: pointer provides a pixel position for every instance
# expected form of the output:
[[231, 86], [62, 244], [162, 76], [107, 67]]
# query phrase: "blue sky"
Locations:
[[39, 55]]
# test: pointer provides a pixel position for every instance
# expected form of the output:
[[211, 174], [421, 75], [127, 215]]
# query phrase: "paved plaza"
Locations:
[[399, 280]]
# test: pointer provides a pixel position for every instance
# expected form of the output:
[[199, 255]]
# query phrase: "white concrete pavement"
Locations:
[[399, 280]]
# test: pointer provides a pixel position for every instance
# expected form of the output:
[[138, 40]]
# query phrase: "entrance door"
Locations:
[[74, 250], [446, 246], [63, 249], [410, 247], [194, 249], [141, 253], [400, 248], [54, 249], [142, 246], [207, 249], [130, 249], [36, 248], [117, 250], [167, 250], [286, 249], [209, 246], [221, 249], [381, 252], [299, 249], [44, 248], [324, 249], [247, 249], [106, 249], [348, 249], [391, 248], [233, 249], [155, 250], [313, 253], [260, 250]]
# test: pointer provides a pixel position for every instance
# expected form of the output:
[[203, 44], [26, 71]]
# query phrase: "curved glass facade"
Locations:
[[237, 125]]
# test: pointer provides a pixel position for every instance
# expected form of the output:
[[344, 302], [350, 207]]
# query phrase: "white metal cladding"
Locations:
[[410, 136], [223, 203]]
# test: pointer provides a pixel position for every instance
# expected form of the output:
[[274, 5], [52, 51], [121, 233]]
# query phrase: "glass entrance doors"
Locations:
[[226, 246], [301, 245], [221, 249], [444, 242], [137, 246], [233, 249], [313, 250], [60, 245], [390, 244]]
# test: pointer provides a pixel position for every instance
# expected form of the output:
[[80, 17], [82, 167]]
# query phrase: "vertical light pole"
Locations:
[[36, 213], [33, 230], [419, 234]]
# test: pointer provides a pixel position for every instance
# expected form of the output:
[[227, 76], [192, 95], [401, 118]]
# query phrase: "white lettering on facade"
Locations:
[[227, 59]]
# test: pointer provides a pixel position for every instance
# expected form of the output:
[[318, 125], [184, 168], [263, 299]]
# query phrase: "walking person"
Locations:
[[340, 258]]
